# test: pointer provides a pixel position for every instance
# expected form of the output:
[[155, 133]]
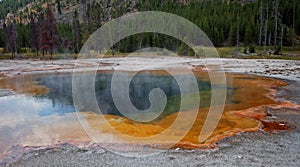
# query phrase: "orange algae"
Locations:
[[252, 95], [275, 126], [23, 85]]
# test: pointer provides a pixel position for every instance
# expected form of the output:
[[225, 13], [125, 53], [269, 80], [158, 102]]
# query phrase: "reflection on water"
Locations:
[[22, 114], [17, 110], [47, 115], [60, 93]]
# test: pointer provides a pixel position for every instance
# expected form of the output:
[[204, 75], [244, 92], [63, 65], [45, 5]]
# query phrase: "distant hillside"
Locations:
[[20, 10], [245, 23]]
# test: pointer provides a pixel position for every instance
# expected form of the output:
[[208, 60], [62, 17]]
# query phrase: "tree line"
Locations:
[[42, 31], [227, 23]]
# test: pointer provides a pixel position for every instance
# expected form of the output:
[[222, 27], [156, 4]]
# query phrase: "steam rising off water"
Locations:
[[36, 119]]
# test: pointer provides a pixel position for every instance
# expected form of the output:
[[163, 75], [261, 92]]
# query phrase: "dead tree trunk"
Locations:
[[294, 20], [281, 39], [276, 26], [261, 22], [266, 28], [12, 39], [270, 39], [238, 31]]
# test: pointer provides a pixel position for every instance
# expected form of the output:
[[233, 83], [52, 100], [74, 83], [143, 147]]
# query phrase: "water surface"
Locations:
[[42, 111]]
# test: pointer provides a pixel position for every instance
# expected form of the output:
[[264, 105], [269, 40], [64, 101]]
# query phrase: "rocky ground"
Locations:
[[283, 69], [247, 149]]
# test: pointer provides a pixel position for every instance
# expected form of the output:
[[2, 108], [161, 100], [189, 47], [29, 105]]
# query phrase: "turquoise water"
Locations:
[[59, 100], [21, 115]]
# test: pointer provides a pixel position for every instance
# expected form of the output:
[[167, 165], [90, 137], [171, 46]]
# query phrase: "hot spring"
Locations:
[[42, 112]]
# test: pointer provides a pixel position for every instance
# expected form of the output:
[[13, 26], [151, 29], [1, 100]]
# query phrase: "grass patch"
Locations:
[[226, 52], [288, 53], [5, 56], [279, 57]]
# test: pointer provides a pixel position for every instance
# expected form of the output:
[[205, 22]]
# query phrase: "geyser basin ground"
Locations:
[[53, 127], [45, 105]]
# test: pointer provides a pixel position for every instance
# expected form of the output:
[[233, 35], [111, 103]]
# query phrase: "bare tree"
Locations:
[[44, 36], [48, 33], [276, 25], [66, 45], [266, 27], [281, 39], [111, 39], [261, 22], [58, 6], [76, 32], [294, 20], [11, 36], [238, 30], [51, 21], [6, 35], [270, 39]]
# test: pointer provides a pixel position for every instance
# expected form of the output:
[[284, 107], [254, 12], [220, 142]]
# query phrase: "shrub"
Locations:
[[251, 49]]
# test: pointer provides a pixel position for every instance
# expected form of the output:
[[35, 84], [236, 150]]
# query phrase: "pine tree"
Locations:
[[85, 35], [182, 49], [248, 35], [190, 52], [11, 35], [238, 31], [221, 37], [34, 36], [232, 36], [76, 32], [88, 18]]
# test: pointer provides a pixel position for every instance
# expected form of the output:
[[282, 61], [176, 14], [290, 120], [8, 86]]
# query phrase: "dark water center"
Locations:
[[42, 111], [59, 100], [139, 90]]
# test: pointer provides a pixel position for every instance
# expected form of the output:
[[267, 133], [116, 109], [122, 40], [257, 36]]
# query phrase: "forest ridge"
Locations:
[[263, 23]]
